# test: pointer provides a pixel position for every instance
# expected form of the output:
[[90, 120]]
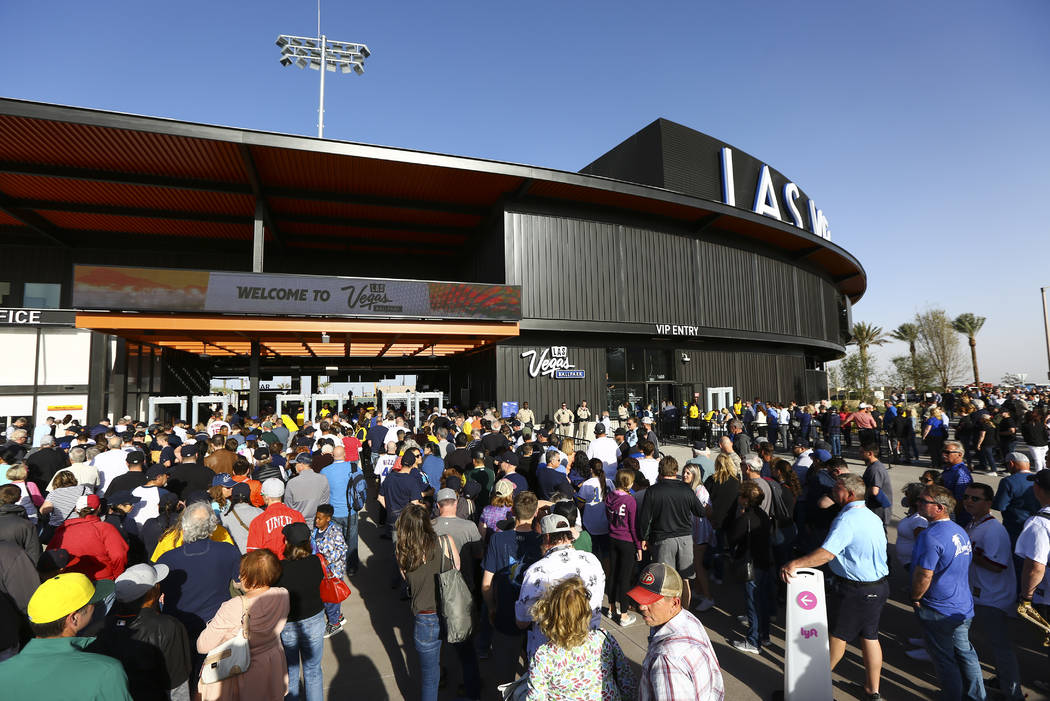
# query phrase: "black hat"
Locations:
[[122, 497], [1042, 479], [620, 432], [409, 458], [454, 483], [477, 455], [510, 458], [296, 533], [168, 498], [699, 445], [241, 490], [304, 442], [304, 459], [194, 497], [155, 471], [262, 453], [599, 429], [135, 457], [188, 451]]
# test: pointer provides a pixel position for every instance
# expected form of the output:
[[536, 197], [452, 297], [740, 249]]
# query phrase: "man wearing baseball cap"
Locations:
[[680, 662], [188, 475], [54, 664], [560, 560], [265, 530], [508, 465], [134, 625]]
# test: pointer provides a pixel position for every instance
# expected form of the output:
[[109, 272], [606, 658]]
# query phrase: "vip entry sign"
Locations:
[[807, 662]]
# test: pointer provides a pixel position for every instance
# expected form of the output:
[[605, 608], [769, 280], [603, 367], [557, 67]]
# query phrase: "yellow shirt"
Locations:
[[174, 539]]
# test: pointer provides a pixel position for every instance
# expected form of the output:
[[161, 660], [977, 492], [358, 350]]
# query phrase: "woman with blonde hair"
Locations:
[[576, 663], [723, 487]]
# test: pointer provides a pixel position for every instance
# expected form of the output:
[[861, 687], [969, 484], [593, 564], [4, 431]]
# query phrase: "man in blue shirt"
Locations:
[[856, 550], [1015, 498], [341, 481], [940, 593], [956, 476]]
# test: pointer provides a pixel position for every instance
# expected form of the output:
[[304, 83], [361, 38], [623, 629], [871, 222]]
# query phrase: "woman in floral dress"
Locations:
[[576, 663]]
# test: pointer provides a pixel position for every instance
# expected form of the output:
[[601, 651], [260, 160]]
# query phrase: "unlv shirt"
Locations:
[[265, 529]]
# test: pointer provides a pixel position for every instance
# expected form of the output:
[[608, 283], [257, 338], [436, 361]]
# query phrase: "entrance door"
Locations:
[[719, 398]]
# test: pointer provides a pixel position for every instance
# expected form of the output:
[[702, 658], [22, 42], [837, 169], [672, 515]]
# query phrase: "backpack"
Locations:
[[782, 516], [357, 491]]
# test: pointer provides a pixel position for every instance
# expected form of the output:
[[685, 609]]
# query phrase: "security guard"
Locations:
[[525, 415], [563, 417], [583, 428]]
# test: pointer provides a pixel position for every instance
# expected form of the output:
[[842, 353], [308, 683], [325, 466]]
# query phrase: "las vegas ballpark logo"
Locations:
[[648, 578]]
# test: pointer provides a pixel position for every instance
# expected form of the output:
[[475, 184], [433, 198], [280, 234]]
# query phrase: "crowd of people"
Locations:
[[144, 555]]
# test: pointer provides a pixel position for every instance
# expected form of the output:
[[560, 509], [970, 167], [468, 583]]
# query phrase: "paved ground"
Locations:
[[374, 659]]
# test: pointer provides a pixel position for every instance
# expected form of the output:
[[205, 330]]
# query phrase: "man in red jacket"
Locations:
[[265, 529], [96, 549]]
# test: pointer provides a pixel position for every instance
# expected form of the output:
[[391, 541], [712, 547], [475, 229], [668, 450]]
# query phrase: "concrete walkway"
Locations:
[[374, 657]]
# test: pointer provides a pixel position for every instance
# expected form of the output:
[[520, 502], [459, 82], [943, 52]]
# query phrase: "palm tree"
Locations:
[[969, 325], [909, 333], [864, 336]]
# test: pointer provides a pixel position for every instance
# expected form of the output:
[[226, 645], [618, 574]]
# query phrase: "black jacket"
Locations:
[[187, 477], [18, 581], [154, 649], [16, 528], [45, 464], [668, 511]]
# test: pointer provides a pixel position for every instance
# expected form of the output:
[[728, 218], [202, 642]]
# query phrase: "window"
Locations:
[[42, 295], [635, 364], [658, 365]]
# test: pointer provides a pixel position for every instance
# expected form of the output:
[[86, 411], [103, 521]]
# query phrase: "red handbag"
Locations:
[[333, 589]]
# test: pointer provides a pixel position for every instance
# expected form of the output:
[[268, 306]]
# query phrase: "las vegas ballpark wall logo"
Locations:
[[554, 363]]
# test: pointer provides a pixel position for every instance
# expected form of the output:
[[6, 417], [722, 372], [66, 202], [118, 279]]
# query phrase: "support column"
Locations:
[[97, 377], [253, 380], [258, 239]]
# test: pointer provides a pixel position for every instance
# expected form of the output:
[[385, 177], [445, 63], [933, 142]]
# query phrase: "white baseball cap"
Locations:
[[273, 488]]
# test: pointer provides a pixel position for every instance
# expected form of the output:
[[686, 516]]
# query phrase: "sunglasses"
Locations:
[[927, 501], [949, 452]]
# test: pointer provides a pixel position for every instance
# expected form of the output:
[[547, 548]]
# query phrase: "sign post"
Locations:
[[807, 659]]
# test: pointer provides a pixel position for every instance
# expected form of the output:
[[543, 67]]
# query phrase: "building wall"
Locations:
[[578, 269], [750, 369]]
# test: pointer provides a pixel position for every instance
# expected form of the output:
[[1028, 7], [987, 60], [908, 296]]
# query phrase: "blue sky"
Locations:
[[919, 127]]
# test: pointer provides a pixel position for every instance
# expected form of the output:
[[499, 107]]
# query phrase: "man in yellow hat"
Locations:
[[59, 609]]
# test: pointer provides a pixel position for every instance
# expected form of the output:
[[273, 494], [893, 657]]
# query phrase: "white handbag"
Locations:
[[231, 657]]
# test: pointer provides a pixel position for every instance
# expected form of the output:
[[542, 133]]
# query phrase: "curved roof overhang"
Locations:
[[70, 176]]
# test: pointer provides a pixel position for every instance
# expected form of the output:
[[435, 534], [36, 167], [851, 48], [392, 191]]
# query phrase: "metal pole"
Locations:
[[258, 238], [1046, 323], [320, 108]]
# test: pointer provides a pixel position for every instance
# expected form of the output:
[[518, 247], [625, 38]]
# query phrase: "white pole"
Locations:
[[324, 67], [1046, 323]]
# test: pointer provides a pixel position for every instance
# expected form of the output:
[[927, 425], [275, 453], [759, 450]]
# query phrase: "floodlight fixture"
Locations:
[[316, 52]]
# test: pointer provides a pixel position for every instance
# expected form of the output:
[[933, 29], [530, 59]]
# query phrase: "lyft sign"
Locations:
[[807, 664]]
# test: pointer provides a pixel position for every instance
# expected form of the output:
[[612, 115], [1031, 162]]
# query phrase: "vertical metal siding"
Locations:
[[578, 269]]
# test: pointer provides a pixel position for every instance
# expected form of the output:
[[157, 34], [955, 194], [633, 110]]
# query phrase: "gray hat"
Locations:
[[553, 523], [273, 488], [1018, 456], [446, 494], [137, 580]]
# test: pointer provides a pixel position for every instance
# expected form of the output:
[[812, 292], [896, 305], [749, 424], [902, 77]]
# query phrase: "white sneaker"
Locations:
[[745, 646], [704, 604], [919, 654], [627, 619]]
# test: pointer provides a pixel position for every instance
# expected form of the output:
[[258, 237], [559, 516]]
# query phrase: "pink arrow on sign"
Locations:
[[807, 600]]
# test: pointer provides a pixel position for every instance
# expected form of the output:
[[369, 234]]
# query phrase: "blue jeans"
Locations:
[[948, 642], [993, 627], [836, 444], [427, 637], [758, 593], [333, 612], [305, 640], [348, 525]]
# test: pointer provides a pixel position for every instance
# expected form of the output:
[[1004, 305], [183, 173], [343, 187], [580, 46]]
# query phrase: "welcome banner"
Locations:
[[165, 289]]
